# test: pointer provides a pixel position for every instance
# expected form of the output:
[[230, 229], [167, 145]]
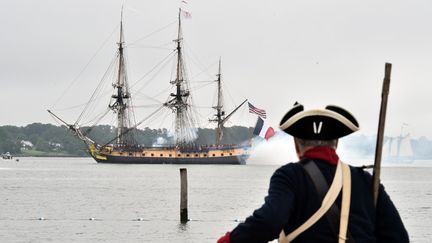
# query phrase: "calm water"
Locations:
[[140, 203]]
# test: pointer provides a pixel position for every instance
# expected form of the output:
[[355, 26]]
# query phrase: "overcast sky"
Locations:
[[273, 53]]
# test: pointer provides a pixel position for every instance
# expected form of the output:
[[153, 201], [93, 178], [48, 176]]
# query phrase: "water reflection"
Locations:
[[182, 227]]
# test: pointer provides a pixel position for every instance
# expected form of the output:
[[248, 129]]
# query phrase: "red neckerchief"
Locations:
[[323, 153]]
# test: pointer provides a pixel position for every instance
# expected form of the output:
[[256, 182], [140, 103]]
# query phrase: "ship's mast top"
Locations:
[[121, 26], [219, 94], [179, 103], [179, 71], [121, 96], [220, 113]]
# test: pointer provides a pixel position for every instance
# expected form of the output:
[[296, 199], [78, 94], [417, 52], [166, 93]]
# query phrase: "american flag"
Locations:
[[259, 112]]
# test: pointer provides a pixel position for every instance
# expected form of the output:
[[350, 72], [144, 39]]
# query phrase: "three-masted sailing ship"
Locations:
[[398, 149], [123, 148]]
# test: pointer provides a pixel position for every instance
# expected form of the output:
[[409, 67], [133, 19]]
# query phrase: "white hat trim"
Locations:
[[319, 112]]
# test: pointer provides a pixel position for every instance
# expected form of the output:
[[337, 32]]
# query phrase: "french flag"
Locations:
[[263, 130]]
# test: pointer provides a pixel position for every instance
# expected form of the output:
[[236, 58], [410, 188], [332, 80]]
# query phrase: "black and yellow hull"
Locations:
[[220, 155]]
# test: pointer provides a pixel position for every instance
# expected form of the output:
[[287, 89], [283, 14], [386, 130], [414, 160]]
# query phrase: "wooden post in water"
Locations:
[[183, 196], [380, 135]]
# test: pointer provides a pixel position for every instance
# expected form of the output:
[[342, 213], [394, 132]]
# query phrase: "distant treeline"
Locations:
[[49, 140]]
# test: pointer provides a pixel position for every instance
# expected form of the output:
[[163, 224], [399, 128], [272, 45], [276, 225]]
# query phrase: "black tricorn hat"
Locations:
[[320, 124]]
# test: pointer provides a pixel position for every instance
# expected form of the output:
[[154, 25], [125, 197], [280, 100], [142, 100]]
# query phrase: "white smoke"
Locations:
[[278, 150], [351, 157], [160, 141]]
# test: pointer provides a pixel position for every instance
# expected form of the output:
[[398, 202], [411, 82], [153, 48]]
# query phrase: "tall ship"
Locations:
[[398, 149], [123, 148]]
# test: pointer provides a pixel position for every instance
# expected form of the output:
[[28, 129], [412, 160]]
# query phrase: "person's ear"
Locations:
[[297, 147]]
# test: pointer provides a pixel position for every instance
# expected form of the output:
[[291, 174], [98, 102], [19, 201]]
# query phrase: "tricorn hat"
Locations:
[[319, 124]]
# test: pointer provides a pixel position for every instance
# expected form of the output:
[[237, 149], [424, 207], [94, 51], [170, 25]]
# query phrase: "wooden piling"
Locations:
[[183, 196]]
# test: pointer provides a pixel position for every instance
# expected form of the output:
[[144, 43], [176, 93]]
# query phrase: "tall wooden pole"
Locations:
[[183, 196], [380, 134]]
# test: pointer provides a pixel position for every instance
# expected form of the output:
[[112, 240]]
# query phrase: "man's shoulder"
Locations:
[[289, 170], [361, 171], [291, 166], [287, 177]]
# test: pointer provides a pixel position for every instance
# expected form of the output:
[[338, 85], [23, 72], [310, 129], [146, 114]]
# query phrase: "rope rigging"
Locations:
[[85, 67], [162, 47], [97, 118], [151, 70], [153, 98], [152, 33], [97, 90], [180, 101], [191, 56], [87, 131], [146, 106], [133, 127]]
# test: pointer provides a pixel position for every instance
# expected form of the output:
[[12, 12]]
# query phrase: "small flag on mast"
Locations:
[[186, 14], [260, 112]]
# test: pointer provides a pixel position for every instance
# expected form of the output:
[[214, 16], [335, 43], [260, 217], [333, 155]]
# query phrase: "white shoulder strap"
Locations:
[[328, 200], [346, 201], [342, 177]]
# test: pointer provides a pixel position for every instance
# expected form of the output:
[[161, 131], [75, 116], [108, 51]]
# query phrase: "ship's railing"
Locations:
[[182, 149]]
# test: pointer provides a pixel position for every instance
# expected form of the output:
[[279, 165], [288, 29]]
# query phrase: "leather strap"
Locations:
[[321, 185], [346, 201], [328, 200], [343, 178]]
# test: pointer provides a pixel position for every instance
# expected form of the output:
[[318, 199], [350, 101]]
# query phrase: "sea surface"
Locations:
[[78, 200]]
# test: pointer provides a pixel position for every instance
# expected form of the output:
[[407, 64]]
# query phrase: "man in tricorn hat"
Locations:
[[320, 198]]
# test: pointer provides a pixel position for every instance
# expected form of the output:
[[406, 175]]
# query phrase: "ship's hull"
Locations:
[[217, 156], [228, 160]]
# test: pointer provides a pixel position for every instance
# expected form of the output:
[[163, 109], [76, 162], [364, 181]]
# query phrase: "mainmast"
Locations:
[[219, 108], [121, 95], [179, 103]]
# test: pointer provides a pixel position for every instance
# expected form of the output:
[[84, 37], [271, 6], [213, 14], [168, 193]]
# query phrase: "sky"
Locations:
[[274, 53]]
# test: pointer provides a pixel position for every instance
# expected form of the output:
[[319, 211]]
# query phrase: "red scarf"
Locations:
[[324, 153]]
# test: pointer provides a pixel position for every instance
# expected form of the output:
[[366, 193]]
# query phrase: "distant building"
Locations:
[[26, 145], [55, 146]]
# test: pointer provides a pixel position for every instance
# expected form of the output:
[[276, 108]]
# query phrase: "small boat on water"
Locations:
[[6, 155], [124, 148]]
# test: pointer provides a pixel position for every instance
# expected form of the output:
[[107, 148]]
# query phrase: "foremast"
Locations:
[[121, 97], [120, 104], [180, 101]]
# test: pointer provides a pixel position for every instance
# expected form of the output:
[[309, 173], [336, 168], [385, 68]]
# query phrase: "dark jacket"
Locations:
[[292, 199]]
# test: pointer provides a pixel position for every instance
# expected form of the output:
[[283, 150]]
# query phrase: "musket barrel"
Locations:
[[380, 134]]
